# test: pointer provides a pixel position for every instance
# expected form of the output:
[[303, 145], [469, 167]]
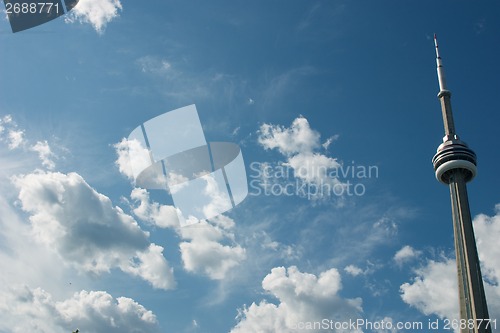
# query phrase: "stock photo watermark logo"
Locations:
[[170, 152], [310, 180], [26, 14]]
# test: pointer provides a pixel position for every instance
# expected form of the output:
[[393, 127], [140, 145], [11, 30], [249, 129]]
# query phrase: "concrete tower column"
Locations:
[[455, 165]]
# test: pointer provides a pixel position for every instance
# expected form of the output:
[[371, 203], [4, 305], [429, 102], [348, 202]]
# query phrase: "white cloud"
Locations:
[[313, 168], [70, 226], [152, 267], [299, 138], [96, 12], [205, 253], [163, 216], [298, 144], [133, 157], [44, 153], [210, 258], [303, 298], [405, 254], [487, 231], [207, 248], [434, 289], [218, 198], [86, 230], [34, 310], [224, 222], [21, 258]]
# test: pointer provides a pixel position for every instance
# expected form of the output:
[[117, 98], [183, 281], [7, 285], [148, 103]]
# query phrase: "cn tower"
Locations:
[[455, 165]]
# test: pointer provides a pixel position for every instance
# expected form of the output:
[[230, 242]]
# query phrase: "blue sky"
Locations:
[[323, 83]]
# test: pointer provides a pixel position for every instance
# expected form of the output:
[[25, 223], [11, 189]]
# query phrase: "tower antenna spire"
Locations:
[[440, 71], [444, 96]]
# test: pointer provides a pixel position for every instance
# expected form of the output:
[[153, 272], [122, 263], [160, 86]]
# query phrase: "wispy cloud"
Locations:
[[176, 82], [16, 139], [353, 270], [309, 16], [11, 133], [155, 65], [329, 141], [281, 84], [44, 153]]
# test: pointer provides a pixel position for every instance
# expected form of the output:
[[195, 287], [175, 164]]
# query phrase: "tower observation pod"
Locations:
[[455, 165]]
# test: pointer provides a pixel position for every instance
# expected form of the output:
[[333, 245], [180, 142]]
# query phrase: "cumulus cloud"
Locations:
[[300, 144], [34, 310], [152, 267], [96, 12], [434, 289], [313, 167], [298, 138], [487, 231], [163, 216], [84, 228], [132, 157], [302, 297], [205, 253], [405, 254]]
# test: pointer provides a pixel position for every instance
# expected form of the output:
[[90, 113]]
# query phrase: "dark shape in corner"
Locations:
[[26, 14], [70, 4]]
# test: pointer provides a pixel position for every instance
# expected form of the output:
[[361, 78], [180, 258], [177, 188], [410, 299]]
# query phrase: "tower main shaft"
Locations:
[[455, 165]]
